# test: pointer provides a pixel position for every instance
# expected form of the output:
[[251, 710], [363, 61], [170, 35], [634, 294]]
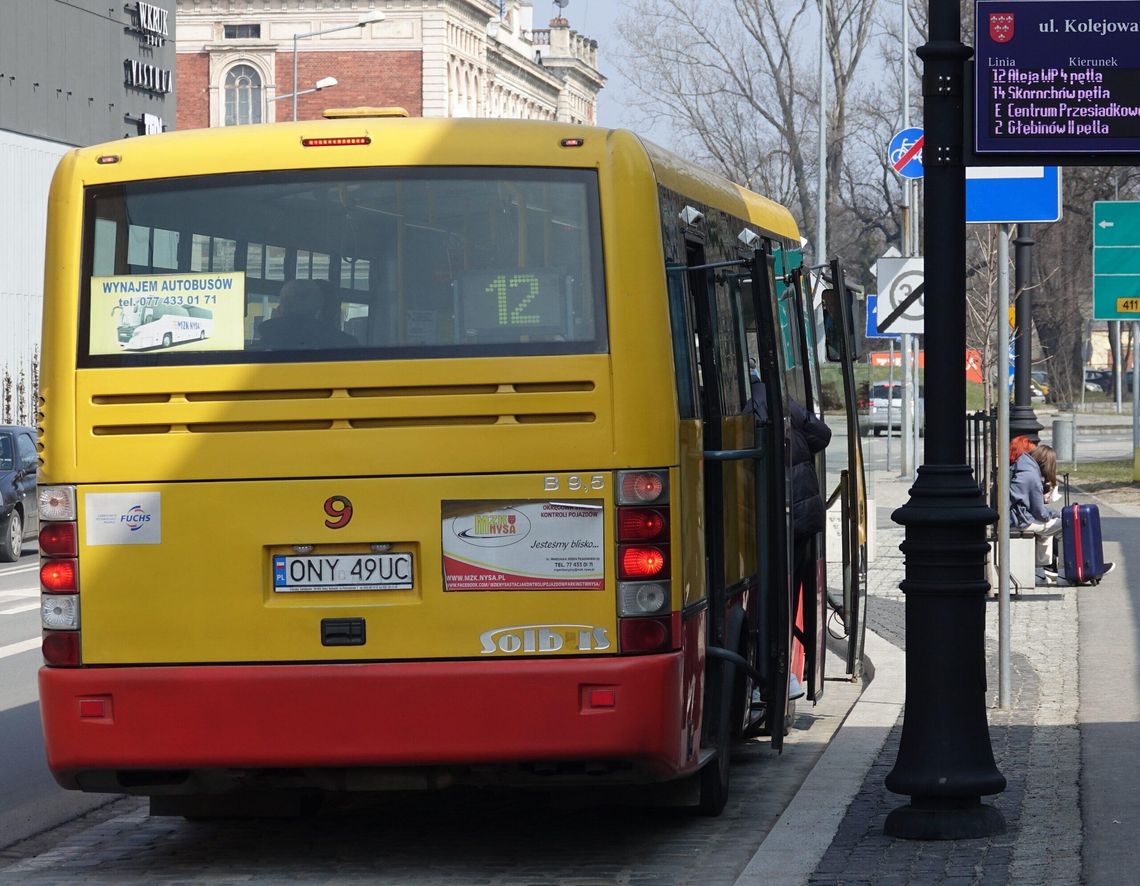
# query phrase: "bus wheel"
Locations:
[[11, 537], [167, 340]]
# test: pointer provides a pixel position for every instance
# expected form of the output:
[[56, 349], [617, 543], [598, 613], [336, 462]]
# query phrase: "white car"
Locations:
[[886, 407]]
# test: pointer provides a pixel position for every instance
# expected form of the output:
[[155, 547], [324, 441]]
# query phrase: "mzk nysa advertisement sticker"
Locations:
[[523, 546]]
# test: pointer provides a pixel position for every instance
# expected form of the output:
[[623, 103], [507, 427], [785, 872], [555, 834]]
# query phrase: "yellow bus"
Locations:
[[460, 486]]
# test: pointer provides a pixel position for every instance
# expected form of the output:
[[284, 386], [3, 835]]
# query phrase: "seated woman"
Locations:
[[1028, 511]]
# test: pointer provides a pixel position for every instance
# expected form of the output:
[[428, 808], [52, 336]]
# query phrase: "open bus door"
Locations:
[[732, 312], [841, 344]]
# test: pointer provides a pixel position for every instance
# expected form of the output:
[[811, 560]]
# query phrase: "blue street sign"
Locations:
[[873, 320], [904, 152], [1012, 194]]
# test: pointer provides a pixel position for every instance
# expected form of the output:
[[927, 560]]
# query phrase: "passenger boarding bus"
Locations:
[[486, 506]]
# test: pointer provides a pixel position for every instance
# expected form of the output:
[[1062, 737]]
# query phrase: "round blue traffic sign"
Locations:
[[904, 152]]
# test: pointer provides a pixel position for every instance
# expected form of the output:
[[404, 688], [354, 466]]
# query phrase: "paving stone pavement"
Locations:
[[1036, 746]]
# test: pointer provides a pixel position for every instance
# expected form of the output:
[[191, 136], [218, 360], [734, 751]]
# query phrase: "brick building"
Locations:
[[478, 58]]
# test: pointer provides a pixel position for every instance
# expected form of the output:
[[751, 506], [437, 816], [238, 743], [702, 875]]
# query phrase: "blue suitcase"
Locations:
[[1084, 549]]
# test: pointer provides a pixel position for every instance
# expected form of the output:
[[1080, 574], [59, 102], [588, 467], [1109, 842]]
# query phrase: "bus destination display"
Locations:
[[1055, 76]]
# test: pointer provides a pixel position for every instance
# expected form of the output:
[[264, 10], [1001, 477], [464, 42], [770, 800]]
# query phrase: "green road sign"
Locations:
[[1116, 260]]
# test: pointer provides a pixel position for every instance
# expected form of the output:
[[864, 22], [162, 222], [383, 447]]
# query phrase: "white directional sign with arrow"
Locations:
[[901, 286]]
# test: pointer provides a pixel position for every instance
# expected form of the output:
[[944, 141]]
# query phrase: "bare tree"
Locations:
[[736, 79]]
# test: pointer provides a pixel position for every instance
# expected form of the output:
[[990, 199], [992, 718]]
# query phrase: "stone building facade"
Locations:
[[436, 58]]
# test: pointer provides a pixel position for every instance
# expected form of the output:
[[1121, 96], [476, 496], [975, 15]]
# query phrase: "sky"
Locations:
[[598, 19]]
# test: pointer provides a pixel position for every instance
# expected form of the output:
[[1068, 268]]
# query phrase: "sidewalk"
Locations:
[[1069, 746]]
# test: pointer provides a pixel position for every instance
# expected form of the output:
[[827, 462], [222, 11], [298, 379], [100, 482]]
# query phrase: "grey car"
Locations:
[[18, 502], [886, 407]]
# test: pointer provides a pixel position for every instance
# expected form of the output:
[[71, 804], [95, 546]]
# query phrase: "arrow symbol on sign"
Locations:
[[1106, 224]]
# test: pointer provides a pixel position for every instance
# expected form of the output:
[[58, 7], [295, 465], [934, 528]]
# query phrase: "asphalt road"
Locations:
[[30, 801]]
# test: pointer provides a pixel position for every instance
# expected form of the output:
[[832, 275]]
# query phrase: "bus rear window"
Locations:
[[343, 265]]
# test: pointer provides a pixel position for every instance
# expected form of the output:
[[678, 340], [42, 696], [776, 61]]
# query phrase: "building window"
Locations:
[[243, 96], [243, 32]]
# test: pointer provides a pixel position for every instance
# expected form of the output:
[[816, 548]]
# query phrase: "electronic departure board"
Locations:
[[1056, 76]]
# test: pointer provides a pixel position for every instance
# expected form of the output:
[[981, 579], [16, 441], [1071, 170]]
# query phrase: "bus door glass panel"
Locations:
[[686, 363]]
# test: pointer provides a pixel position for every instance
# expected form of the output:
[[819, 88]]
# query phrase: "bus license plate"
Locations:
[[342, 572]]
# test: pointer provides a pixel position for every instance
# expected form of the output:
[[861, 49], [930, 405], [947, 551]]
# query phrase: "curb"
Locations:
[[797, 842]]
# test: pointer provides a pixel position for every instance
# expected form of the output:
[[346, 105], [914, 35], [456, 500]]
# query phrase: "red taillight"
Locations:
[[59, 576], [642, 635], [61, 648], [642, 524], [58, 540], [643, 561]]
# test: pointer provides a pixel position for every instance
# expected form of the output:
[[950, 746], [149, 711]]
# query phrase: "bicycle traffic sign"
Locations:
[[905, 152]]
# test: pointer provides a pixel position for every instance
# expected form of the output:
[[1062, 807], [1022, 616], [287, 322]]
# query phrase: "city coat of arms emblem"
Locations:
[[1001, 27]]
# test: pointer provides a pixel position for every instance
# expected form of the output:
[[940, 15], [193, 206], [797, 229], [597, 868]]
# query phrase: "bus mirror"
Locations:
[[832, 326]]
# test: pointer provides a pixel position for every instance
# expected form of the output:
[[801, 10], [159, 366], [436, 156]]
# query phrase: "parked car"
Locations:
[[18, 503], [880, 416]]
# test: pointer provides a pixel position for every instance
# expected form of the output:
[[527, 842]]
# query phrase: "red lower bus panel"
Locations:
[[376, 714]]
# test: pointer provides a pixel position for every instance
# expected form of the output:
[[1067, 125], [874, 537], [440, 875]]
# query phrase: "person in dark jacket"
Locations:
[[297, 322], [809, 436]]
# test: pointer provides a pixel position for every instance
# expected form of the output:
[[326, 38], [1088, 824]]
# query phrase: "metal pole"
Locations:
[[294, 78], [1022, 419], [1117, 367], [890, 400], [905, 453], [821, 175], [945, 760], [1135, 401], [1004, 692]]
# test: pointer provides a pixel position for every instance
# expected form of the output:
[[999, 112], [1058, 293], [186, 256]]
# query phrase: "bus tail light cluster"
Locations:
[[643, 563], [59, 575]]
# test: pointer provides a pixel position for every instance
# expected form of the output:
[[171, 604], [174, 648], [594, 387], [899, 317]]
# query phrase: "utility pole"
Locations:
[[1022, 419]]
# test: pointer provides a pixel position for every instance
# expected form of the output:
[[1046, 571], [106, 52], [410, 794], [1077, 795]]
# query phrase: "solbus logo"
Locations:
[[135, 518]]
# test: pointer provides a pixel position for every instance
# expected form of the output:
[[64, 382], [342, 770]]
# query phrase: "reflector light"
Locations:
[[603, 698], [643, 562], [60, 612], [93, 708], [642, 635], [56, 502], [104, 159], [59, 576], [58, 540], [641, 524], [572, 142], [61, 649], [643, 597], [336, 141], [642, 487]]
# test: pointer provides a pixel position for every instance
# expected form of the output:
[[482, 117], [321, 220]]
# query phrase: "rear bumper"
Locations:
[[252, 717]]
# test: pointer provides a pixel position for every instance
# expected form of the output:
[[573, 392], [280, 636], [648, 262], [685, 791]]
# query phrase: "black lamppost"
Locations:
[[1022, 419], [945, 761]]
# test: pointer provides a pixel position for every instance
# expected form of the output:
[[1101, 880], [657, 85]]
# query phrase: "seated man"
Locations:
[[297, 322]]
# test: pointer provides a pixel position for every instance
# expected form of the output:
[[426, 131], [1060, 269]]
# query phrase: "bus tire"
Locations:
[[11, 537], [167, 340], [714, 776]]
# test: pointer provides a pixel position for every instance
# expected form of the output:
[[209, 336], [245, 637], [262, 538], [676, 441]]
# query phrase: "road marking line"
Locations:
[[29, 567], [22, 646], [26, 608]]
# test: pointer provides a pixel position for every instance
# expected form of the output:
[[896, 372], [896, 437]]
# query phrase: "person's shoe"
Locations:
[[795, 688], [1043, 578], [835, 601], [1108, 567]]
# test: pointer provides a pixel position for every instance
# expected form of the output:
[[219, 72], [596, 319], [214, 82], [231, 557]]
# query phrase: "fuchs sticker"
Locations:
[[123, 518], [544, 639], [523, 546]]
